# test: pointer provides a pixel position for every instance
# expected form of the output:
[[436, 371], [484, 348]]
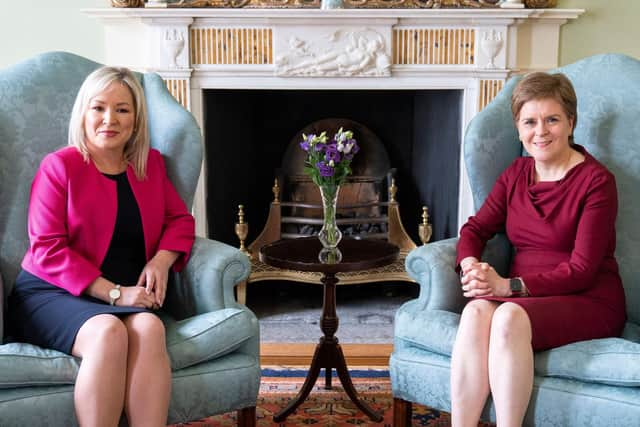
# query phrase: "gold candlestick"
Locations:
[[424, 229], [242, 229]]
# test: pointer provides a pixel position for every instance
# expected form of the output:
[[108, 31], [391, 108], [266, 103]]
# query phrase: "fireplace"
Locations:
[[367, 59], [420, 130]]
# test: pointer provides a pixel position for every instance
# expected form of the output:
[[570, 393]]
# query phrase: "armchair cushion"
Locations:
[[207, 336], [25, 365], [189, 342], [612, 361], [431, 330]]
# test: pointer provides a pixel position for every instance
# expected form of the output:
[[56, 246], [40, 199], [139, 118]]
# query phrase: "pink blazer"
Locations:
[[72, 215]]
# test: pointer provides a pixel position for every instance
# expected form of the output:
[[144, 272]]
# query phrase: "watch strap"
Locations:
[[516, 286]]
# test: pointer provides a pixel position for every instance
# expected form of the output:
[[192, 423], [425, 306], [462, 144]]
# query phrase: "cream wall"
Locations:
[[28, 27], [606, 26]]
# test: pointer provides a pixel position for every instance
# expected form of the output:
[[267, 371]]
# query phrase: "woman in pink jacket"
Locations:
[[105, 227]]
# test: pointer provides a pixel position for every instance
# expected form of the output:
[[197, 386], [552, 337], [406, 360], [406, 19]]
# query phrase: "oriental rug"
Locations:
[[327, 408]]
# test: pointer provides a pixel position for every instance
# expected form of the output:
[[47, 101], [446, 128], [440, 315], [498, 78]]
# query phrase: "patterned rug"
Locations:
[[326, 408]]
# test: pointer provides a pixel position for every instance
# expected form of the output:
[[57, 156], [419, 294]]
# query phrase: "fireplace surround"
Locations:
[[468, 51]]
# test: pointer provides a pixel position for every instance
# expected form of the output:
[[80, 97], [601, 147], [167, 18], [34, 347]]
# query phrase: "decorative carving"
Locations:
[[540, 4], [127, 3], [347, 4], [174, 43], [350, 53], [211, 3], [491, 44], [436, 4]]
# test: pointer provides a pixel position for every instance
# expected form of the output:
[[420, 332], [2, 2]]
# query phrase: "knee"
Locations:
[[510, 323], [147, 327], [108, 337], [477, 312]]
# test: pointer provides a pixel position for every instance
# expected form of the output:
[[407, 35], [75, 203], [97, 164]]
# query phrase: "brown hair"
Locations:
[[546, 86]]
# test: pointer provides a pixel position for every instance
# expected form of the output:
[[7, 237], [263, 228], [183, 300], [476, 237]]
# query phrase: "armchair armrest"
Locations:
[[208, 280], [433, 267]]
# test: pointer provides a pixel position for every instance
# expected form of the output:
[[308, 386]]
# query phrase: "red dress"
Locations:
[[564, 237]]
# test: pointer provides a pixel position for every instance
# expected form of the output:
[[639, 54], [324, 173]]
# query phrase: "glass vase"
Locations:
[[329, 234]]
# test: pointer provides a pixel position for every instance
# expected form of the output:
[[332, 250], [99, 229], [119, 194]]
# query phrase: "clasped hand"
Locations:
[[481, 279], [151, 288]]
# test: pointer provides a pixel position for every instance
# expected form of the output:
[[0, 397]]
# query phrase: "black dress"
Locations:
[[49, 316]]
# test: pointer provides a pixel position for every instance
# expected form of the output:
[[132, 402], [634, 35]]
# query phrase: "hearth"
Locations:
[[248, 131]]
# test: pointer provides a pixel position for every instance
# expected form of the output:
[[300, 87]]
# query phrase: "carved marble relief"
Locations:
[[491, 44], [342, 53]]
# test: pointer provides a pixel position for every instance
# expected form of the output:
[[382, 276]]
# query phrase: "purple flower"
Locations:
[[307, 141], [350, 149], [325, 169], [331, 153]]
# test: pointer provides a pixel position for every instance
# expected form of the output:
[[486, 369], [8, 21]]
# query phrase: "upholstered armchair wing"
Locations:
[[213, 342], [589, 383]]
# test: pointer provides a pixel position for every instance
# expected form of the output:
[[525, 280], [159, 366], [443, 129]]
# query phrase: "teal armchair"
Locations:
[[590, 383], [213, 342]]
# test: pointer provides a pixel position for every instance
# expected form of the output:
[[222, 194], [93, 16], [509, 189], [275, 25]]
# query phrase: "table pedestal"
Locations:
[[328, 355]]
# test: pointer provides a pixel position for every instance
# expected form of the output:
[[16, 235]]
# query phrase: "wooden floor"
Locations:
[[294, 354]]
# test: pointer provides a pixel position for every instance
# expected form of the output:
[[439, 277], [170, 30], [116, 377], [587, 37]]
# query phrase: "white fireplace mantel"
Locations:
[[474, 50]]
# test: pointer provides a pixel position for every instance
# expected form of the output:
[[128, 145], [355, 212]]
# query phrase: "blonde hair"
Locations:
[[136, 149], [546, 86]]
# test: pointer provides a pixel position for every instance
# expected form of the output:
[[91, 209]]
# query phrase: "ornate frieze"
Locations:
[[127, 3], [340, 53], [348, 4]]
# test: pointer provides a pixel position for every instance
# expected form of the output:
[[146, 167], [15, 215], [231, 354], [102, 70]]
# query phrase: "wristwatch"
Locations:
[[114, 294], [517, 288]]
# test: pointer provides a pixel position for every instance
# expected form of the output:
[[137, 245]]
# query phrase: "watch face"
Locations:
[[114, 293], [515, 285]]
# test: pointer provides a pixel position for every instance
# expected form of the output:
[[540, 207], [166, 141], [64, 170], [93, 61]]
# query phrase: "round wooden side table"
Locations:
[[302, 255]]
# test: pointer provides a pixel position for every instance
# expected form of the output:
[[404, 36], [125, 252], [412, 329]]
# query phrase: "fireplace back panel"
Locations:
[[247, 132]]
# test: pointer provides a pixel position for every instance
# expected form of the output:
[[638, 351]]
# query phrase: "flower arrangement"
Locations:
[[328, 165], [328, 162]]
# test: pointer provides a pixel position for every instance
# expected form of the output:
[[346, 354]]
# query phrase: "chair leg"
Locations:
[[241, 292], [247, 417], [401, 413]]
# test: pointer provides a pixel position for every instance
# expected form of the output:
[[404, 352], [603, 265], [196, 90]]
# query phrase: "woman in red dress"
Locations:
[[558, 208]]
